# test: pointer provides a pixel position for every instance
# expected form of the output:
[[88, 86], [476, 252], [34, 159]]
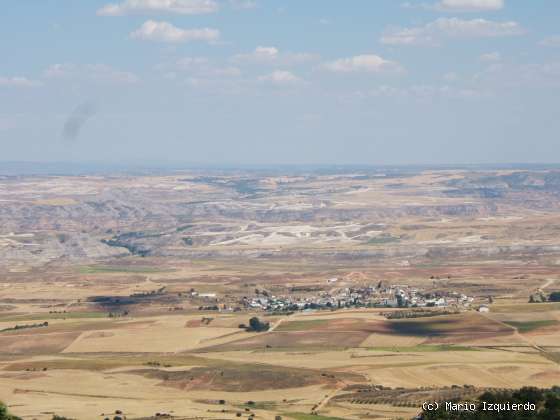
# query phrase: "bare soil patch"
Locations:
[[296, 340], [245, 378]]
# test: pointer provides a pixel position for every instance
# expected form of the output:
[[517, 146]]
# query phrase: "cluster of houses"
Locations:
[[393, 296]]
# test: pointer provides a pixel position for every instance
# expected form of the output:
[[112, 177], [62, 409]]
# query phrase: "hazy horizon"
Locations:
[[21, 168]]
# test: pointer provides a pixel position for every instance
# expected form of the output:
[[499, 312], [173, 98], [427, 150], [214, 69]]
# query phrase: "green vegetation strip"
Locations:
[[47, 316], [24, 327], [260, 405], [528, 326], [301, 325]]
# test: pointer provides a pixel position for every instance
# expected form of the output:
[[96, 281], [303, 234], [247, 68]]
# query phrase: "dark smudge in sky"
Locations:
[[76, 120]]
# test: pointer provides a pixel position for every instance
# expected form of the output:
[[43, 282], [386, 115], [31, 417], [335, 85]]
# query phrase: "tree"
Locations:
[[529, 394], [5, 415], [256, 325], [554, 297]]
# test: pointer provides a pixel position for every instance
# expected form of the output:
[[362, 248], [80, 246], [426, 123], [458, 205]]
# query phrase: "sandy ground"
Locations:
[[165, 335], [86, 395]]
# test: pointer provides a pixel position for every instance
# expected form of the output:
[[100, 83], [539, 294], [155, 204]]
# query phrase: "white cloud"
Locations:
[[19, 82], [264, 54], [491, 57], [229, 71], [434, 32], [243, 4], [425, 92], [457, 6], [370, 63], [199, 66], [166, 32], [200, 71], [182, 7], [499, 76], [551, 41], [281, 77], [221, 86], [191, 63], [272, 55], [93, 72], [469, 5]]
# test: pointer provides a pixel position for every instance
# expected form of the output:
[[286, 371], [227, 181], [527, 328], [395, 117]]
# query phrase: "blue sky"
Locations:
[[280, 82]]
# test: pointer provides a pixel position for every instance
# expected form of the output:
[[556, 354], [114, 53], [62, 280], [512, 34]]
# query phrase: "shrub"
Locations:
[[5, 415], [255, 325]]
